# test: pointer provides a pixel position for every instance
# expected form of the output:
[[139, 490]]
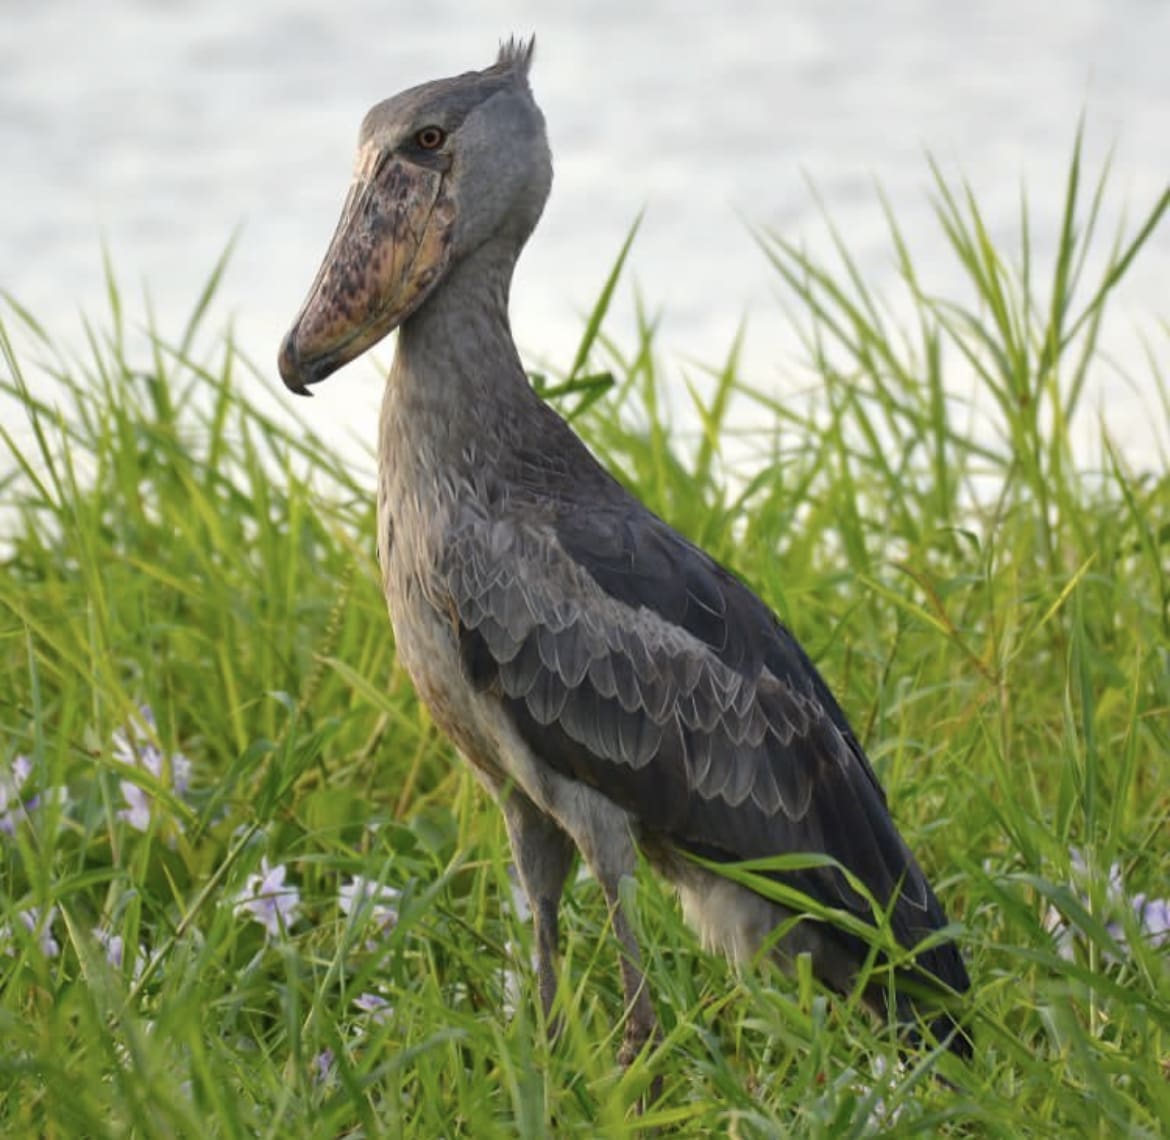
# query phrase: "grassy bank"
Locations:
[[276, 905]]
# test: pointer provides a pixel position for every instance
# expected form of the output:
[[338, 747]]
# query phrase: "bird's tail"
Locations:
[[928, 1000], [945, 1029]]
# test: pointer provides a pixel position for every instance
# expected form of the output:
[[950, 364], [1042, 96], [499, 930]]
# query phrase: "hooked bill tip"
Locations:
[[289, 363]]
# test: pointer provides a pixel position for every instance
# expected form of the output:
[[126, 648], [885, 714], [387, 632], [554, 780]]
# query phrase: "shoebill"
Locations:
[[613, 687]]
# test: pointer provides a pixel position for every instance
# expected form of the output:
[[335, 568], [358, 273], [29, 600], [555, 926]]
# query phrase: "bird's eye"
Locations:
[[431, 138]]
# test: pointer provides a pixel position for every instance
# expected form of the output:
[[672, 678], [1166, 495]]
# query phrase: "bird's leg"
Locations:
[[601, 832], [543, 854], [641, 1020], [609, 850]]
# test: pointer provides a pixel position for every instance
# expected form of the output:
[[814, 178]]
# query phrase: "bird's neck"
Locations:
[[456, 369], [457, 409]]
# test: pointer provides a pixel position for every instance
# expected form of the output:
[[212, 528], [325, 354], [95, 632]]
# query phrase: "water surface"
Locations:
[[161, 129]]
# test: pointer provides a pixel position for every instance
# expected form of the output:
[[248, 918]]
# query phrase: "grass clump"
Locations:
[[246, 890]]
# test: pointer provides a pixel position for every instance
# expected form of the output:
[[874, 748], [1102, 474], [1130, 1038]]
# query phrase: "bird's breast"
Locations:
[[428, 650], [411, 531]]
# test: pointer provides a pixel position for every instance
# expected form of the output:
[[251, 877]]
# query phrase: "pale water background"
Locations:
[[160, 128]]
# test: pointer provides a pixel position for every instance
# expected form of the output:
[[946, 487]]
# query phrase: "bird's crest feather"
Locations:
[[516, 55]]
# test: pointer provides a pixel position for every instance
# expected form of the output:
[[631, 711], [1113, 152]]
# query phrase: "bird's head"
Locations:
[[441, 169]]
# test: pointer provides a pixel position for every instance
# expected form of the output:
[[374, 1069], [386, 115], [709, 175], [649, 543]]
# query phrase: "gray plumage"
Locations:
[[611, 685]]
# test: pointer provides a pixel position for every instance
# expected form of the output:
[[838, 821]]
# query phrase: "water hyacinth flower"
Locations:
[[376, 1006], [115, 950], [322, 1070], [16, 804], [35, 923], [370, 901], [1153, 918], [11, 784], [268, 900], [134, 746], [1152, 915]]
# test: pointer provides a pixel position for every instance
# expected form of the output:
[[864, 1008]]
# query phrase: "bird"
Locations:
[[617, 691]]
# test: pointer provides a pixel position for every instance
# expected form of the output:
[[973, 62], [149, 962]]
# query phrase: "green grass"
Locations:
[[994, 614]]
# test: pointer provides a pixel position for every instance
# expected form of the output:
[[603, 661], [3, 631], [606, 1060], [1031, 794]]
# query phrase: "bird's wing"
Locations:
[[631, 661]]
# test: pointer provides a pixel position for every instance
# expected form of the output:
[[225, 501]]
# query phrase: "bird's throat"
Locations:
[[456, 368]]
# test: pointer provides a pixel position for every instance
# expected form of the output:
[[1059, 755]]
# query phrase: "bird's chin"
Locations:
[[375, 273]]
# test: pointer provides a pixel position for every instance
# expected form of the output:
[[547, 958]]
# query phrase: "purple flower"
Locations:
[[370, 901], [323, 1067], [267, 900], [1152, 915], [1153, 918], [11, 783], [136, 747], [115, 950], [376, 1006], [35, 923], [137, 811], [15, 805]]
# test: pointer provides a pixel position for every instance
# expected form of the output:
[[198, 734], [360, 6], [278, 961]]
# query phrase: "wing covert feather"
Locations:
[[648, 672]]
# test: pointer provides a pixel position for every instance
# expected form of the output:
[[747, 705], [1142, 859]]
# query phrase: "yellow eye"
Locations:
[[431, 138]]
